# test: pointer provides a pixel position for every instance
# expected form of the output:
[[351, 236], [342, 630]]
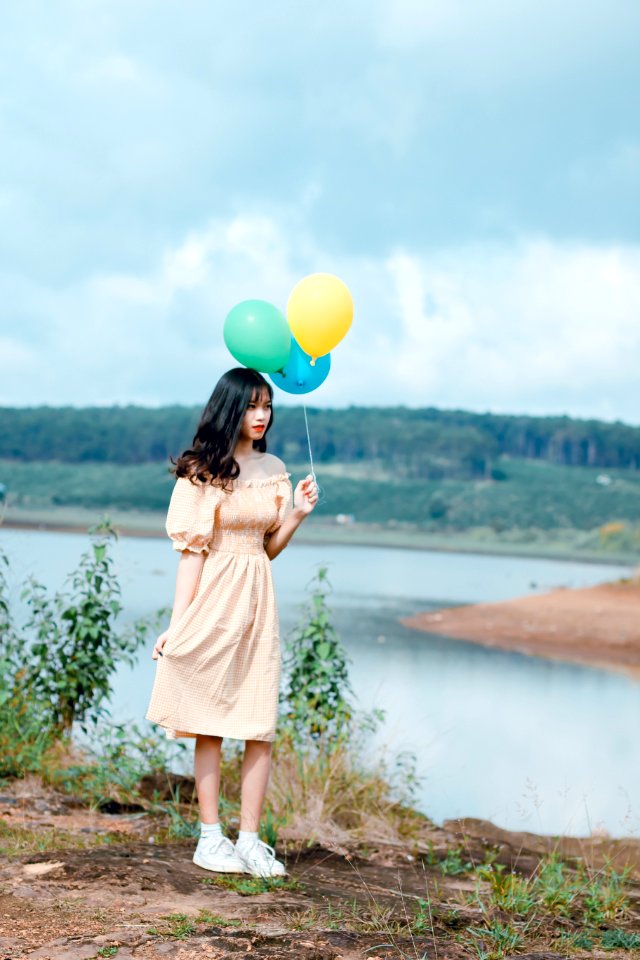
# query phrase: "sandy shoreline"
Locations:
[[596, 626]]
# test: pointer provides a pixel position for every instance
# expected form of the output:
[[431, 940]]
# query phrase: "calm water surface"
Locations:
[[527, 743]]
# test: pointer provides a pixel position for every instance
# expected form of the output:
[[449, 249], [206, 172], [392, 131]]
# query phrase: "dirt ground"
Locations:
[[599, 625], [125, 894]]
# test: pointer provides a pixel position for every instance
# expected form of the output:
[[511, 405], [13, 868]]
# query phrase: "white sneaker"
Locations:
[[219, 854], [259, 859]]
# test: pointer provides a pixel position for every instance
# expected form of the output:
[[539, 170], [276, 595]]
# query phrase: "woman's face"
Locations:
[[257, 416]]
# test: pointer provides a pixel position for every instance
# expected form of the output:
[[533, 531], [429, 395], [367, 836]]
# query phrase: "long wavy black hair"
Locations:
[[210, 458]]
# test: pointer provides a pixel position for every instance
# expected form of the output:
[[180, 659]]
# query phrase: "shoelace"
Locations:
[[216, 844], [255, 849]]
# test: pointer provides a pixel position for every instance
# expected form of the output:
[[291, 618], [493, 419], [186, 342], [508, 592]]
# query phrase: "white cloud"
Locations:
[[540, 327]]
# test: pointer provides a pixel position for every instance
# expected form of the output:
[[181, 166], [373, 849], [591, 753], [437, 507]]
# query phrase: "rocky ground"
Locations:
[[77, 884]]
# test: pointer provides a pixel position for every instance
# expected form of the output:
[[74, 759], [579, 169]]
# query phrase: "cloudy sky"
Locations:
[[470, 168]]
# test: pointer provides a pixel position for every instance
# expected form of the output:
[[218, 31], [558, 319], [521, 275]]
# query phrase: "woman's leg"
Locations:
[[257, 857], [214, 850], [207, 773], [255, 776]]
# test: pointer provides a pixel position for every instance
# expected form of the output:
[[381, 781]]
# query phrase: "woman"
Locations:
[[218, 671]]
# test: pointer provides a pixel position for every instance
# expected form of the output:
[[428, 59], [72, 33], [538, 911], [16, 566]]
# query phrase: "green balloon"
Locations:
[[258, 335]]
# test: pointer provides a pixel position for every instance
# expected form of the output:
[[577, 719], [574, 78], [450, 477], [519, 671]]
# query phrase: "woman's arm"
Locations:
[[305, 497], [189, 570]]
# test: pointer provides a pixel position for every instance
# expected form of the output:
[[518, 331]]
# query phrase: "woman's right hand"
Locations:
[[159, 644]]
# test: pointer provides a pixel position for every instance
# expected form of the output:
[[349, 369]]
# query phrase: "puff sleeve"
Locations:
[[190, 517], [284, 501]]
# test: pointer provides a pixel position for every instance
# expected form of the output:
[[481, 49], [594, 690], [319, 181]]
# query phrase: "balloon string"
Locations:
[[306, 423]]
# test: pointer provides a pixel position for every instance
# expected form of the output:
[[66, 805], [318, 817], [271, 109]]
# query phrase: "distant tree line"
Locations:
[[420, 444]]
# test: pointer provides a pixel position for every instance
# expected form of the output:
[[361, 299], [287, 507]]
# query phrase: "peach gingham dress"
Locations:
[[220, 669]]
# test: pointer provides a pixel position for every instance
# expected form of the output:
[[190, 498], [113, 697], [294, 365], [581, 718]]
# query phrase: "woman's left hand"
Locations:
[[305, 495]]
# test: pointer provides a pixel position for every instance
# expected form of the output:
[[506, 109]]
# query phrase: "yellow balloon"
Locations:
[[319, 311]]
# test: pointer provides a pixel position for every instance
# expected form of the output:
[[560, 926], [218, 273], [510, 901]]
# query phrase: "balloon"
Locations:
[[320, 311], [298, 376], [257, 334]]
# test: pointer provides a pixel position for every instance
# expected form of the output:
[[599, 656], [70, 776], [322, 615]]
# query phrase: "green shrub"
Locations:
[[25, 735], [74, 645], [58, 667], [315, 700]]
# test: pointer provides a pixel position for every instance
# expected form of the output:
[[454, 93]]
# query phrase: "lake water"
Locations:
[[524, 742]]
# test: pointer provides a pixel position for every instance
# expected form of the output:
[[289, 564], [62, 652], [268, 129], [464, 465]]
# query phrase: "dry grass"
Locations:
[[328, 798]]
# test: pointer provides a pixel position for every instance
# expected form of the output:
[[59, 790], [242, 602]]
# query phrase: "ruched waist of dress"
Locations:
[[247, 546]]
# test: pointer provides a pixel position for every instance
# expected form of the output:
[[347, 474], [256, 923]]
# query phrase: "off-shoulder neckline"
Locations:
[[262, 481], [249, 481]]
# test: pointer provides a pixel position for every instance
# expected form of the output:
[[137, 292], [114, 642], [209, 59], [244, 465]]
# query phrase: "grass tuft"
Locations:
[[250, 886]]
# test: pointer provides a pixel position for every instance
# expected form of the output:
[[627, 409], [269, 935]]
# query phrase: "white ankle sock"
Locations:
[[210, 830], [246, 836]]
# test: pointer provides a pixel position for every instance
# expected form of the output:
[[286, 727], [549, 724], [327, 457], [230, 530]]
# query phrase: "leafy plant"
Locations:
[[557, 887], [69, 662], [605, 897], [180, 925], [24, 734], [451, 864], [25, 739], [316, 666], [611, 939], [423, 919], [58, 667], [494, 940], [509, 891]]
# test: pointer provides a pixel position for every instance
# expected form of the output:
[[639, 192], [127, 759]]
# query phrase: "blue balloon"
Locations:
[[297, 375]]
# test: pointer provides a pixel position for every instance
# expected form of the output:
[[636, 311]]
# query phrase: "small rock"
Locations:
[[81, 951], [39, 869], [125, 935]]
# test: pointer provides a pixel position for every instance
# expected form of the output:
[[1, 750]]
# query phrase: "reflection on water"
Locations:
[[524, 742]]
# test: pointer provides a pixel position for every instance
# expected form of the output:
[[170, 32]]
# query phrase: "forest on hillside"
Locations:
[[427, 444]]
